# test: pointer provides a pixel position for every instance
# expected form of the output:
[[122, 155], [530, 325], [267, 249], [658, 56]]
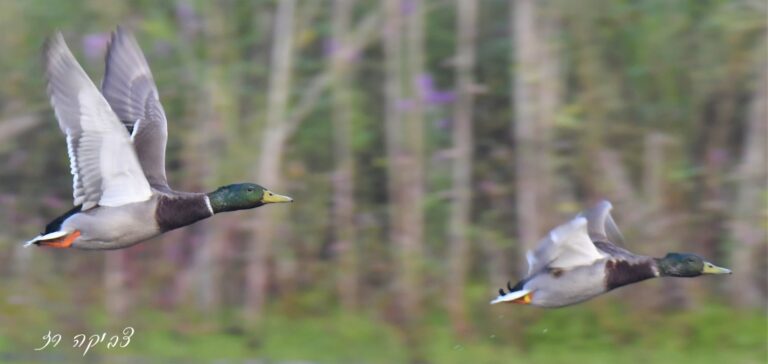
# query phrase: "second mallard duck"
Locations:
[[116, 142], [578, 261]]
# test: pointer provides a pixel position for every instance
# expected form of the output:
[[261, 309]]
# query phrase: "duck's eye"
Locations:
[[250, 189]]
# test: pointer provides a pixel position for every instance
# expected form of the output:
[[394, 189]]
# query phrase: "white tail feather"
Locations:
[[49, 236], [511, 296]]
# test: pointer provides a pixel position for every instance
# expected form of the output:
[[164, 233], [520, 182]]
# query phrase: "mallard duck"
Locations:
[[116, 144], [578, 260]]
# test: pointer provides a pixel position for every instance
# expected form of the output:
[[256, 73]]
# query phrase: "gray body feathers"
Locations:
[[118, 178], [577, 261]]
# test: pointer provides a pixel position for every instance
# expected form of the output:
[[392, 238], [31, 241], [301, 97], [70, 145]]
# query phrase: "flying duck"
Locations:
[[116, 144], [578, 260]]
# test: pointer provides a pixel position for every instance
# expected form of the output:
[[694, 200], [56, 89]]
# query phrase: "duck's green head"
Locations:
[[687, 265], [241, 196]]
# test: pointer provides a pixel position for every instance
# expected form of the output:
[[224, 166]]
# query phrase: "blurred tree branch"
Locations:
[[13, 126], [461, 202], [360, 38], [344, 232], [271, 155], [748, 210]]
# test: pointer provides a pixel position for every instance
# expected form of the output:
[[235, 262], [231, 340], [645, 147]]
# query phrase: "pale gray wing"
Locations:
[[104, 166], [566, 246], [615, 251], [600, 224], [130, 89]]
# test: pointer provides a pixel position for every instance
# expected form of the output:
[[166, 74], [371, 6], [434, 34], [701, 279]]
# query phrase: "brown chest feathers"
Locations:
[[175, 212], [620, 272]]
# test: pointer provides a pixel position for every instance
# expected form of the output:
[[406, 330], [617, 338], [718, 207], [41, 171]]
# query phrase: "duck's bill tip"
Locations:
[[710, 268], [275, 198]]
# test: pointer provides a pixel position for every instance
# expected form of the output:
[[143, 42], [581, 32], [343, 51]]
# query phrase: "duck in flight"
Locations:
[[578, 260], [116, 144]]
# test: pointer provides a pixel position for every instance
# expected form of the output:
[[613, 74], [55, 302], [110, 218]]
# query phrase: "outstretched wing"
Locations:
[[103, 163], [566, 246], [130, 89], [600, 224]]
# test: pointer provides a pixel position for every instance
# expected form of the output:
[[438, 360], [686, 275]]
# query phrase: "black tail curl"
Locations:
[[511, 289]]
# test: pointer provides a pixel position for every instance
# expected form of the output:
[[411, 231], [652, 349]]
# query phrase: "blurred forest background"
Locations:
[[427, 144]]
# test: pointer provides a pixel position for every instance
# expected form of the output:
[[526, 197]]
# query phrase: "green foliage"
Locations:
[[591, 333], [340, 338], [684, 69]]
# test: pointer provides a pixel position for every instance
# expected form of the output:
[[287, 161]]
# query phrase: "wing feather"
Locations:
[[130, 89], [105, 170], [566, 246], [601, 225]]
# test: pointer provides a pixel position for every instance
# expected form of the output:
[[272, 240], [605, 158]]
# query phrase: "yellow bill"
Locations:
[[271, 197]]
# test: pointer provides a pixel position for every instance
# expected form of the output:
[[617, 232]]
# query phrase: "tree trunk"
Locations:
[[412, 191], [274, 136], [718, 109], [748, 212], [404, 134], [655, 220], [393, 136], [117, 298], [344, 245], [535, 98], [461, 205], [404, 119], [198, 248]]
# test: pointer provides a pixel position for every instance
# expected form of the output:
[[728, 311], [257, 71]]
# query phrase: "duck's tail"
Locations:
[[54, 235], [56, 239], [516, 294]]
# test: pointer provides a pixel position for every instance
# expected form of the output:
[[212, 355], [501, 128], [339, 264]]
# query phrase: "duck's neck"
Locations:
[[623, 272], [223, 200], [218, 202], [176, 211]]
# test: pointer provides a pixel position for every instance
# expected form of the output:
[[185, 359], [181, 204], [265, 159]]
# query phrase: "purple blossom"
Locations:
[[443, 124], [332, 48], [188, 18], [429, 94], [352, 54], [407, 6], [425, 84], [717, 156], [94, 45], [441, 97]]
